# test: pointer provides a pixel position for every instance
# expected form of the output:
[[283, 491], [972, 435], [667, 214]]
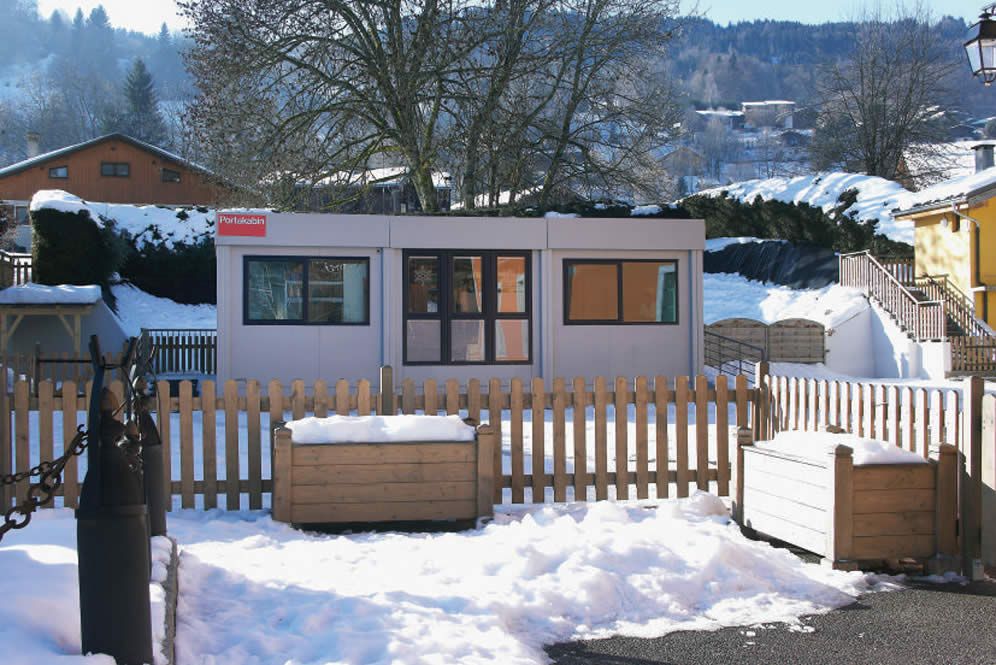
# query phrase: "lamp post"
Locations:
[[981, 46]]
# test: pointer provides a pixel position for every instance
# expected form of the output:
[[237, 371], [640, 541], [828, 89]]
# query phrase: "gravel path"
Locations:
[[928, 623]]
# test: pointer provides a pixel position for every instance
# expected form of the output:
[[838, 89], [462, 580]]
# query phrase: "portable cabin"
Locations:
[[309, 296]]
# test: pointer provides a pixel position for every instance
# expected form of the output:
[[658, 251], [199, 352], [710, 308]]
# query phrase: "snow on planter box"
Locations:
[[851, 499], [382, 469]]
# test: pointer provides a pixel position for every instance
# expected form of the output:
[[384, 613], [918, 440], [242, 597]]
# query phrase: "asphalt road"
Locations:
[[946, 624]]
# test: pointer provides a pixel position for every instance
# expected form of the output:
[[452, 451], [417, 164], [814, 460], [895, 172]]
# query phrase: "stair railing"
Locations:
[[959, 306], [924, 320]]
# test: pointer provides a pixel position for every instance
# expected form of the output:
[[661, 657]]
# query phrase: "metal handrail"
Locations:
[[714, 347]]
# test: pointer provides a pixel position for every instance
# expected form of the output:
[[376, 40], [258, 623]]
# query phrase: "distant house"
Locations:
[[379, 191], [732, 120], [773, 114], [114, 168]]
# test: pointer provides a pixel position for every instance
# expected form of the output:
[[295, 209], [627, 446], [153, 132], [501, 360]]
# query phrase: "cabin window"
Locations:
[[169, 175], [467, 307], [115, 169], [306, 290], [58, 172], [617, 292]]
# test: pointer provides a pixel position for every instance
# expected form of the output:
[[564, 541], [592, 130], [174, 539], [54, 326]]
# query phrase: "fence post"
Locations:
[[387, 406], [744, 438], [988, 481], [762, 405], [971, 482], [5, 449], [946, 510], [840, 531]]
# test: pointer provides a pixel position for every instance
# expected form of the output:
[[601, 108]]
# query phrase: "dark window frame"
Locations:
[[445, 314], [115, 171], [618, 321], [303, 321], [51, 172], [172, 180]]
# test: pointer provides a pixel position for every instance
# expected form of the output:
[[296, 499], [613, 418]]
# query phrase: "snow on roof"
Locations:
[[144, 223], [876, 200], [44, 157], [390, 175], [956, 190], [41, 294], [722, 112], [775, 102]]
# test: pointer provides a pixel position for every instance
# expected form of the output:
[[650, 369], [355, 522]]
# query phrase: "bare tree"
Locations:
[[884, 105], [320, 84]]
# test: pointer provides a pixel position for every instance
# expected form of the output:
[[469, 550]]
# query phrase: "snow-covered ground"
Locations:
[[255, 591], [876, 200], [40, 615]]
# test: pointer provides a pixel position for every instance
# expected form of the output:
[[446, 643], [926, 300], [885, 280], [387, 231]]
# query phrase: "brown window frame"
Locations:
[[620, 289], [173, 180], [52, 170]]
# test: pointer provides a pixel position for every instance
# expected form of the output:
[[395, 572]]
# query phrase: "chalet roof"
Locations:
[[969, 189], [141, 145]]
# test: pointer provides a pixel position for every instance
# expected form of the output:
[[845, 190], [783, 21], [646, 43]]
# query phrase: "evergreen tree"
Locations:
[[142, 119]]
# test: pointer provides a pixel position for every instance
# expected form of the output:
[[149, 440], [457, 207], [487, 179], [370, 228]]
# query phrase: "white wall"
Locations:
[[872, 345]]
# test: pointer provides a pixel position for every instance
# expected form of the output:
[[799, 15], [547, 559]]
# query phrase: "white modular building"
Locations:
[[324, 296]]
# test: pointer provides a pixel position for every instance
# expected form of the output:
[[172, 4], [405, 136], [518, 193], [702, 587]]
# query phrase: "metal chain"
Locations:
[[49, 481]]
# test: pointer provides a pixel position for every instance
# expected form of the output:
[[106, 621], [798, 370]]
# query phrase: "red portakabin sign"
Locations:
[[241, 224]]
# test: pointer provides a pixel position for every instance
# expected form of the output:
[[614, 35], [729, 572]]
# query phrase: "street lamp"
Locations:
[[981, 47]]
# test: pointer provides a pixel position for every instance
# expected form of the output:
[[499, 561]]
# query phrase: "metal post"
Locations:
[[112, 538]]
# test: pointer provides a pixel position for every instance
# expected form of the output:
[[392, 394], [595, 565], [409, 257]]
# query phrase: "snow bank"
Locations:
[[950, 190], [876, 200], [643, 211], [818, 445], [252, 590], [380, 429], [137, 309], [732, 296], [40, 615], [146, 224], [40, 294]]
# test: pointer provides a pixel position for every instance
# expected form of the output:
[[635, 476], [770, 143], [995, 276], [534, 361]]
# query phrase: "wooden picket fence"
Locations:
[[912, 418], [632, 475]]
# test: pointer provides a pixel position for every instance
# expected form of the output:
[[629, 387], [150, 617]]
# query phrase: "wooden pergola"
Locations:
[[70, 315]]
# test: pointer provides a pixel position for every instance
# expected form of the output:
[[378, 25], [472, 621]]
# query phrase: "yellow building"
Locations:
[[955, 233]]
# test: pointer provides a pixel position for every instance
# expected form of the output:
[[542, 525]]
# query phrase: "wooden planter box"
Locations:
[[851, 514], [382, 482]]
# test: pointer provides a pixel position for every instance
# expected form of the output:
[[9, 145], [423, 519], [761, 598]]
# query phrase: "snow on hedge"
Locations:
[[41, 294], [147, 224], [380, 429], [819, 445], [730, 296], [252, 590], [876, 200]]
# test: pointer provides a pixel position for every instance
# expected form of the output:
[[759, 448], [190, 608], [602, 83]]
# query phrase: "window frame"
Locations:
[[446, 316], [52, 169], [618, 321], [170, 181], [114, 168], [305, 279]]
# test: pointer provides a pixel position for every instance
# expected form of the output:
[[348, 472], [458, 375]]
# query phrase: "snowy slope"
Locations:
[[138, 309], [146, 224], [877, 197], [733, 296]]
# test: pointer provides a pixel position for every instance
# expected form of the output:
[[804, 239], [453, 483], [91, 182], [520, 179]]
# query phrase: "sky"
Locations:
[[147, 15]]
